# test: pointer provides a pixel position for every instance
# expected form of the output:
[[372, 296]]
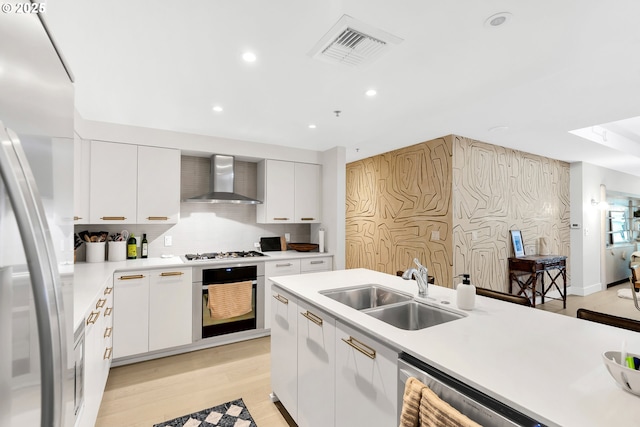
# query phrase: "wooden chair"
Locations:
[[608, 319], [516, 299]]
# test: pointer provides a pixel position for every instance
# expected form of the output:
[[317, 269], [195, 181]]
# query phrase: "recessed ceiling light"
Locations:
[[371, 92], [217, 109], [312, 126], [249, 57], [498, 129], [497, 20]]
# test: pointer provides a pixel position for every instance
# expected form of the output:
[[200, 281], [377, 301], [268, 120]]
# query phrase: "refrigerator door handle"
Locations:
[[45, 280]]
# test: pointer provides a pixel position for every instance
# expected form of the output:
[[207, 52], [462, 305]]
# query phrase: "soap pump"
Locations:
[[466, 294]]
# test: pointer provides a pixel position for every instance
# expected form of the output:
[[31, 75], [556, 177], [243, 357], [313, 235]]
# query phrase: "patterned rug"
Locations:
[[230, 414]]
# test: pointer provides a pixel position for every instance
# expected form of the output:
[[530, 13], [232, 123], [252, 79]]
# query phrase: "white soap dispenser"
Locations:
[[466, 294]]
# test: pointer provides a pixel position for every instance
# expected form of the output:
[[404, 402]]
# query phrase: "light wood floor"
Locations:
[[147, 393]]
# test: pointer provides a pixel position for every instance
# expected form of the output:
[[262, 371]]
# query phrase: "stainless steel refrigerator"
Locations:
[[37, 360]]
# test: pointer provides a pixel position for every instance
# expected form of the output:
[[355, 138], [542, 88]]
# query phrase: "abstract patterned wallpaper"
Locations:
[[399, 208], [451, 202]]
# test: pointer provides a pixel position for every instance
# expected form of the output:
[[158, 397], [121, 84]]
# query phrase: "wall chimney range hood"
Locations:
[[221, 184]]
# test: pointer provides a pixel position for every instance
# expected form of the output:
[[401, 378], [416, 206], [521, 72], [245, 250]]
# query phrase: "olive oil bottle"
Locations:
[[132, 249]]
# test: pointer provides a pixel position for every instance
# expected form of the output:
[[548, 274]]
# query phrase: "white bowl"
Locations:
[[629, 379]]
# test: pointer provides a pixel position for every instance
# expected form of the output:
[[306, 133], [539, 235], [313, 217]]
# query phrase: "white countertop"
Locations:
[[546, 365], [89, 278]]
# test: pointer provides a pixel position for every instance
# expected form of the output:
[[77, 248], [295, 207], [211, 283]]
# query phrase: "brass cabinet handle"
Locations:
[[93, 317], [361, 347], [107, 291], [280, 219], [284, 265], [281, 299], [158, 218], [317, 262], [77, 218], [101, 302], [107, 311], [307, 219], [132, 277], [171, 273], [107, 353], [314, 318], [113, 218], [107, 332]]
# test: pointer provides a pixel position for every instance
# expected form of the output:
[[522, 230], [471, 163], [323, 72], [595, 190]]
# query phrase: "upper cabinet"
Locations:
[[158, 185], [113, 183], [290, 192], [81, 168], [132, 184]]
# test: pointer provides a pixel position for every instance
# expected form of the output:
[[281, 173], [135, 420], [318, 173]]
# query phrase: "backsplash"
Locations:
[[205, 227]]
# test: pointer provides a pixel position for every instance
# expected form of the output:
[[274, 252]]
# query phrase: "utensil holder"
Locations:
[[95, 251], [117, 251]]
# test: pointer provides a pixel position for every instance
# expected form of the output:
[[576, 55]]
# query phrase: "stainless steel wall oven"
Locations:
[[205, 323]]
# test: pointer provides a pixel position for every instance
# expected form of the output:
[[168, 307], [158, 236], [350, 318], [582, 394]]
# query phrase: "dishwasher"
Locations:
[[483, 409]]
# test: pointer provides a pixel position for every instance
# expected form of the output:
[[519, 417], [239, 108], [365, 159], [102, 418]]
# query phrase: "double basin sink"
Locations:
[[395, 308]]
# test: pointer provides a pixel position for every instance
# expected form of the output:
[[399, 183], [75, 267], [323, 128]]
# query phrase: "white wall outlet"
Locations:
[[586, 231], [168, 240], [256, 245], [287, 237], [435, 235]]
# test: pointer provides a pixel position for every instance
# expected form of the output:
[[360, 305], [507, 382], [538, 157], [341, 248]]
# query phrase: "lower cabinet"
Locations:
[[284, 349], [153, 310], [326, 373], [366, 380], [97, 354], [316, 357], [287, 268]]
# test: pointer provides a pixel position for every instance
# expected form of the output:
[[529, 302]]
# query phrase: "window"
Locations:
[[619, 226]]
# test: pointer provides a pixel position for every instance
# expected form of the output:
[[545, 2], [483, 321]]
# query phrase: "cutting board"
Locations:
[[268, 244]]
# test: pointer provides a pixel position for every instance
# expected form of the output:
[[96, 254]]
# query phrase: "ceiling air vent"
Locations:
[[351, 42]]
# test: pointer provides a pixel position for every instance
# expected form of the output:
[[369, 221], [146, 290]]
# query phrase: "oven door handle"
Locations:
[[206, 287]]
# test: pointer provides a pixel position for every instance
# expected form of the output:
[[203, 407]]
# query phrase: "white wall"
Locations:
[[333, 205], [587, 246]]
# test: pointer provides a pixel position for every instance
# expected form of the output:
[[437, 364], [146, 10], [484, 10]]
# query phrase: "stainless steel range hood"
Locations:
[[221, 184]]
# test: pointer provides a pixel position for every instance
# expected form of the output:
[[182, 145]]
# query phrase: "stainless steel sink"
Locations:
[[412, 315], [366, 296]]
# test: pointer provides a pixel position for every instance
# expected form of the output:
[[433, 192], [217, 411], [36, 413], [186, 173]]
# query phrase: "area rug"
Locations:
[[625, 293], [230, 414]]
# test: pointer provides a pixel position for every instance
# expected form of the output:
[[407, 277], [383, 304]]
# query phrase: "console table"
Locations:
[[527, 271]]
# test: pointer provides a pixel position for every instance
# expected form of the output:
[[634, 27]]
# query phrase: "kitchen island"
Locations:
[[545, 365]]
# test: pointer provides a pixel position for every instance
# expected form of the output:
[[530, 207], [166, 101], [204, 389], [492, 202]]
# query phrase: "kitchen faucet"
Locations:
[[421, 277]]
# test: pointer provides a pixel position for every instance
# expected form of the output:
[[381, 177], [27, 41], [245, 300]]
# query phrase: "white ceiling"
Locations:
[[553, 67]]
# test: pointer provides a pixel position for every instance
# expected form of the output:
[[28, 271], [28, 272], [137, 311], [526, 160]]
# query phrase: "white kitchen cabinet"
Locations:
[[158, 185], [81, 179], [153, 310], [98, 354], [284, 349], [170, 294], [131, 318], [307, 193], [312, 265], [366, 380], [272, 269], [276, 189], [113, 183], [316, 364], [290, 192], [132, 184]]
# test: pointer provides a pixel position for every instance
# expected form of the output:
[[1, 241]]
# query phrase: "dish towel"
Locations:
[[421, 407], [229, 299], [410, 415]]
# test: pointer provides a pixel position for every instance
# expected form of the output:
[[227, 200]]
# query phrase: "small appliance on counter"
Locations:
[[270, 244]]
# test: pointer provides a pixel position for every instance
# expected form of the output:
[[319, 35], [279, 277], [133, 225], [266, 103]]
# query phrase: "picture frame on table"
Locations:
[[518, 244]]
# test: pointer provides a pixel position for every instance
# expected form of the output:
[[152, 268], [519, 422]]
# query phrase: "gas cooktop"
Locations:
[[223, 255]]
